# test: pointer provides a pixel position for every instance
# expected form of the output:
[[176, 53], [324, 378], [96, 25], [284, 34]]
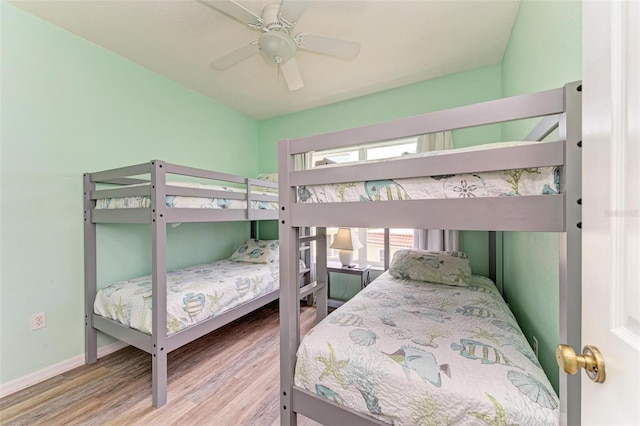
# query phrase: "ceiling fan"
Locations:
[[276, 42]]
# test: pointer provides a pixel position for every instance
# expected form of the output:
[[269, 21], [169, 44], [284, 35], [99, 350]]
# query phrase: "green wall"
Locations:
[[544, 52], [70, 107]]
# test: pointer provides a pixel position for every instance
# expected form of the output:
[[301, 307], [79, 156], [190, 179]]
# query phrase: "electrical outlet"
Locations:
[[535, 346], [38, 321]]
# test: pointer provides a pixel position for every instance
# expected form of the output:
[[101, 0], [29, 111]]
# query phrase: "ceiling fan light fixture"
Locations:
[[277, 46], [277, 43]]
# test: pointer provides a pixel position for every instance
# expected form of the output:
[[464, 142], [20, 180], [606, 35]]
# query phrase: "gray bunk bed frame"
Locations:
[[559, 108], [158, 215]]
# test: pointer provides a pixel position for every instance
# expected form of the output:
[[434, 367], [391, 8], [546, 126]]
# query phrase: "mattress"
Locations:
[[516, 182], [194, 294], [416, 353], [190, 202]]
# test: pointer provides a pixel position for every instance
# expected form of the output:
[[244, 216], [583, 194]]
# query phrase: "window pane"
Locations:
[[391, 151], [375, 246], [399, 239], [335, 156]]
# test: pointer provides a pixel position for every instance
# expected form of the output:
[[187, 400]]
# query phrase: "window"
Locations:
[[388, 149], [372, 252]]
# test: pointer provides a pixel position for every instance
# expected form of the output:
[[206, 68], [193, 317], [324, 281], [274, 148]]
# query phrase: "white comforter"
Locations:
[[416, 353], [193, 294]]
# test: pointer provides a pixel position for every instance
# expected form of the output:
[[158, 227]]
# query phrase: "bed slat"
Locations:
[[327, 412], [109, 175], [128, 335], [187, 335], [121, 215], [530, 213]]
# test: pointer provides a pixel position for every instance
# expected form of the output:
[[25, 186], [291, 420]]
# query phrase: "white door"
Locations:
[[611, 188]]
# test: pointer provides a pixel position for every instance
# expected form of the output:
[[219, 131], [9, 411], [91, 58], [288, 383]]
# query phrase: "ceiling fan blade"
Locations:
[[234, 10], [339, 48], [236, 56], [291, 74], [292, 10]]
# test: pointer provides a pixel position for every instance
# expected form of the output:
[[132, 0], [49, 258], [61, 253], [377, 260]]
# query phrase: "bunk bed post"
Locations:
[[289, 286], [570, 282], [492, 256], [387, 248], [90, 274], [159, 283], [254, 229], [322, 295]]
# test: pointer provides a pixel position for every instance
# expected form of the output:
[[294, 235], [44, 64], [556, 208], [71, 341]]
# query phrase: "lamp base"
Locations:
[[346, 257]]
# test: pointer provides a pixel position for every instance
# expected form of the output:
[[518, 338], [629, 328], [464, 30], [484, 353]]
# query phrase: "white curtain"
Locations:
[[436, 239], [302, 161]]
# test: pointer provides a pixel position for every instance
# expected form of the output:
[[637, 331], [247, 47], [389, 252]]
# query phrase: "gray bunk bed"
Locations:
[[151, 199], [557, 212]]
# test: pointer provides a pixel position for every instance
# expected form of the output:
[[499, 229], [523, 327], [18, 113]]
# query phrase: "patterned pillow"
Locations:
[[256, 251], [444, 267], [269, 177]]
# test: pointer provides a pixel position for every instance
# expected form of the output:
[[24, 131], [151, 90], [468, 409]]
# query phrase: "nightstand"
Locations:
[[336, 268]]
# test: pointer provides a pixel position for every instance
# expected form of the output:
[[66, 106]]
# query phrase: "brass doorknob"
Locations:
[[591, 360]]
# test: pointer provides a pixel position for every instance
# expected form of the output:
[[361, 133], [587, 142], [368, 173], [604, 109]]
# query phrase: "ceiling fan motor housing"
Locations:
[[270, 17], [277, 46]]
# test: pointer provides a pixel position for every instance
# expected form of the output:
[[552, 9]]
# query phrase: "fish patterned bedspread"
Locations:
[[516, 182], [193, 294], [417, 353], [178, 201]]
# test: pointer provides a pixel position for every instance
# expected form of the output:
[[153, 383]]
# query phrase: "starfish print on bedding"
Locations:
[[481, 333], [333, 366], [120, 308], [500, 419]]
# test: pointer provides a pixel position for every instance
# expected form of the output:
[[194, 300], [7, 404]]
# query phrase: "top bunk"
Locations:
[[163, 192], [377, 193]]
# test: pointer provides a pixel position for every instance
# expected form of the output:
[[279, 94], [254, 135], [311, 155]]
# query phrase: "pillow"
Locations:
[[269, 177], [256, 251], [443, 267]]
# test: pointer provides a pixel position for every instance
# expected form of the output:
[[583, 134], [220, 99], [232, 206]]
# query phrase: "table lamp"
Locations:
[[346, 241]]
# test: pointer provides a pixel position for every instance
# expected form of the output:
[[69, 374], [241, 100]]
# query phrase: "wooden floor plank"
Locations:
[[229, 377]]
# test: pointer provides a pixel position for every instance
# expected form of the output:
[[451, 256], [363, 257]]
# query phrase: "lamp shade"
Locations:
[[346, 240]]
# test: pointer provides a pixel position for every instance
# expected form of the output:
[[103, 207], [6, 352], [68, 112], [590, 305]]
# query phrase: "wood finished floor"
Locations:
[[229, 377]]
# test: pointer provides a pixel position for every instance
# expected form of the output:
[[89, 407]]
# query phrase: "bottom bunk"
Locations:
[[199, 299], [407, 351], [194, 294]]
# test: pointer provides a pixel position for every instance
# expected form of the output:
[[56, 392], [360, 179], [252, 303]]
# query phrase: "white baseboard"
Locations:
[[52, 371]]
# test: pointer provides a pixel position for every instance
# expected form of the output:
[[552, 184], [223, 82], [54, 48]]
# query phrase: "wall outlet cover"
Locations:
[[38, 321]]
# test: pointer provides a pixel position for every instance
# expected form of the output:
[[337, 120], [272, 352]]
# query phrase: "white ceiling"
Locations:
[[403, 42]]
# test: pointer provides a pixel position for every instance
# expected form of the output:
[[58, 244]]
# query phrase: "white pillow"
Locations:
[[443, 267], [256, 251]]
